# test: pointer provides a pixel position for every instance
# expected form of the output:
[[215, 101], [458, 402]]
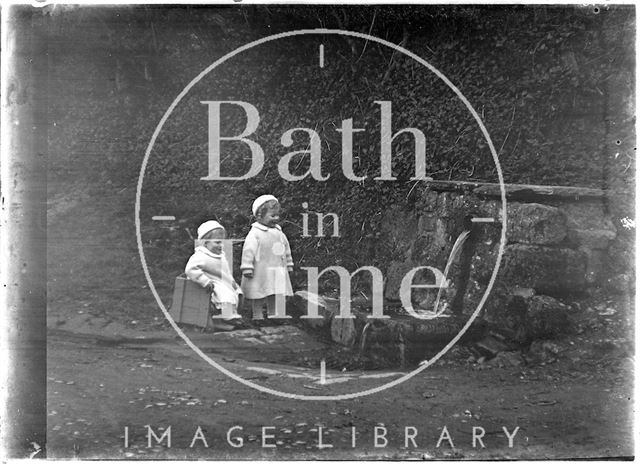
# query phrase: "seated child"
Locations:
[[266, 259], [208, 267]]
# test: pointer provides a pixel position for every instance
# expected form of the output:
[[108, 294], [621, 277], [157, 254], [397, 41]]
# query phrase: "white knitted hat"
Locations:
[[207, 227], [261, 200]]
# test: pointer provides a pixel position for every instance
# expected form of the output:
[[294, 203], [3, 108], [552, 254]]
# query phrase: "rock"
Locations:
[[507, 359], [284, 330], [302, 299], [395, 273], [347, 331], [434, 331], [546, 317], [523, 292], [542, 351], [400, 339], [620, 283], [506, 316], [490, 346], [588, 216], [522, 319], [222, 327], [301, 302], [598, 239], [535, 224], [428, 201], [423, 298], [590, 229], [343, 331], [431, 248], [545, 269]]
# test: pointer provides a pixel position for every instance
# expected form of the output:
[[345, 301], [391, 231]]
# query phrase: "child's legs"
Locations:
[[271, 305], [223, 309], [229, 311], [257, 307]]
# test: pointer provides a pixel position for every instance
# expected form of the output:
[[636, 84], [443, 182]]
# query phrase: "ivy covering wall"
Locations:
[[552, 85]]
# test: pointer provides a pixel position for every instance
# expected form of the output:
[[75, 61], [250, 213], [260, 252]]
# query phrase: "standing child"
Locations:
[[266, 259], [208, 267]]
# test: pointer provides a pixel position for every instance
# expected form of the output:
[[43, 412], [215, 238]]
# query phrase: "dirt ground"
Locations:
[[577, 404], [114, 364]]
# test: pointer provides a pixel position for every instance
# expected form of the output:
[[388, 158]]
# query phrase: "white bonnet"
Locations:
[[207, 227], [261, 200]]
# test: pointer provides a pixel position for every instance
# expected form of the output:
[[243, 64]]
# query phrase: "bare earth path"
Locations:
[[99, 382], [97, 386]]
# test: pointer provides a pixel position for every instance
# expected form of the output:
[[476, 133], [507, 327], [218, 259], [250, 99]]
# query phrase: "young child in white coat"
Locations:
[[266, 259], [208, 267]]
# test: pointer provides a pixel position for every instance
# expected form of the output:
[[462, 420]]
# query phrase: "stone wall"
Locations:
[[558, 241]]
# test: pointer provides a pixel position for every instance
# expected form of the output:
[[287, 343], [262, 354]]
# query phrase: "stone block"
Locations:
[[588, 225], [429, 200], [584, 214], [533, 223], [423, 298], [599, 239], [546, 269]]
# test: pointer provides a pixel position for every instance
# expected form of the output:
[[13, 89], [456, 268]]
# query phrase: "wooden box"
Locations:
[[190, 303]]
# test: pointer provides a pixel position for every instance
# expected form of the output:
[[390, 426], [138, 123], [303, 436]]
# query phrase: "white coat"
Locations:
[[204, 267], [266, 252]]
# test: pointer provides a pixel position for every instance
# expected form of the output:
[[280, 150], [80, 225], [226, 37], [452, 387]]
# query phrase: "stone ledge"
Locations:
[[522, 192]]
